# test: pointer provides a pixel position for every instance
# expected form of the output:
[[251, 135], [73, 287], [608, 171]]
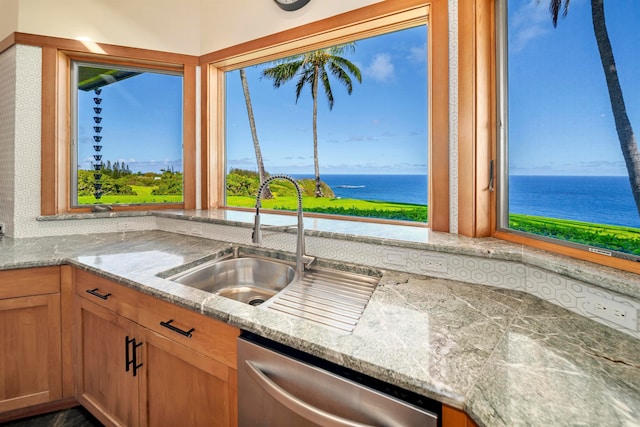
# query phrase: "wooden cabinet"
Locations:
[[142, 361], [452, 417], [30, 338], [102, 383], [182, 386]]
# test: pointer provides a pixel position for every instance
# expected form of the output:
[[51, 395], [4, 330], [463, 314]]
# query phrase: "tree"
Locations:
[[627, 139], [169, 183], [266, 192], [314, 67]]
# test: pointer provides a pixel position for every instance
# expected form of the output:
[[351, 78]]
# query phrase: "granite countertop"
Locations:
[[507, 358]]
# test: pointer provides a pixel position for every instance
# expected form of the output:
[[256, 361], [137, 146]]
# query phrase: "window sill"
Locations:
[[94, 215]]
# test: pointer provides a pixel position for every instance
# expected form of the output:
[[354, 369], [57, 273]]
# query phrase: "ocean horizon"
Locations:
[[594, 199], [389, 188]]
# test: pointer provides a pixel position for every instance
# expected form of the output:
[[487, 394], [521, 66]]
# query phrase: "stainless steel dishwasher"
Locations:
[[279, 386]]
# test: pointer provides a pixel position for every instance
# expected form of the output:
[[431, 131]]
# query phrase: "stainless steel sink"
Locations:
[[322, 294], [246, 279]]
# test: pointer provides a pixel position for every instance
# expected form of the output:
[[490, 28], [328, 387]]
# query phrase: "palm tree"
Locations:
[[626, 136], [314, 67], [266, 193]]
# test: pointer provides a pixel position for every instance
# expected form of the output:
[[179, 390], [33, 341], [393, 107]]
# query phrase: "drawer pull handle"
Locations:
[[131, 361], [168, 325], [95, 293]]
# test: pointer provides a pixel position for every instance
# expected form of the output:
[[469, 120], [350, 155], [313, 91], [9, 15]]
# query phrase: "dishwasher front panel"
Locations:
[[277, 390]]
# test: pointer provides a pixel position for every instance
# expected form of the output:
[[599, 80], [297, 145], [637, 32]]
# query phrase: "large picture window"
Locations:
[[349, 122], [572, 99], [127, 136]]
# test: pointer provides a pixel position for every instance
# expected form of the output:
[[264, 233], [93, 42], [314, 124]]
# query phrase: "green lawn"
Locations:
[[622, 239], [352, 207], [143, 196]]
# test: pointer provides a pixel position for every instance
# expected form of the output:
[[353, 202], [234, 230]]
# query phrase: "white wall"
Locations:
[[8, 17], [165, 25], [226, 23], [193, 27]]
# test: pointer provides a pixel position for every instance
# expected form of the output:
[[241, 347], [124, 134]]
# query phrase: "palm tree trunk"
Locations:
[[627, 139], [266, 192], [316, 166]]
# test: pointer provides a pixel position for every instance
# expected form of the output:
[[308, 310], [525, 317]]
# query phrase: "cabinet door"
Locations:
[[30, 355], [182, 387], [103, 384], [452, 417]]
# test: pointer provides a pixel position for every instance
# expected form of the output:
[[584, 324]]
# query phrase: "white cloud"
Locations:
[[585, 167], [530, 21], [417, 54], [381, 68]]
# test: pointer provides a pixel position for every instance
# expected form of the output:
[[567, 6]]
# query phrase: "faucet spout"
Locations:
[[257, 235]]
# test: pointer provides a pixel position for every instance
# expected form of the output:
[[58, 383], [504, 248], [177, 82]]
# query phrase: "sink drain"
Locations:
[[256, 301]]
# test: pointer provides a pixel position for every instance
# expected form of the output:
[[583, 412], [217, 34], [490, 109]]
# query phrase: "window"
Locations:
[[384, 19], [364, 139], [127, 136], [62, 133], [571, 167]]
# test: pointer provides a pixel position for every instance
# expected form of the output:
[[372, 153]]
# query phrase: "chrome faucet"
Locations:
[[257, 235]]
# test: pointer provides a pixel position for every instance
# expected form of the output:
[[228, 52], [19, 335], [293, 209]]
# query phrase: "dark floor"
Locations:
[[74, 417]]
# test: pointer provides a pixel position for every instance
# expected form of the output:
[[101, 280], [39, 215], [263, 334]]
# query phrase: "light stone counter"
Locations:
[[504, 356]]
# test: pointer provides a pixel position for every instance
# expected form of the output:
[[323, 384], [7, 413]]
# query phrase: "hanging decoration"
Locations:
[[97, 139]]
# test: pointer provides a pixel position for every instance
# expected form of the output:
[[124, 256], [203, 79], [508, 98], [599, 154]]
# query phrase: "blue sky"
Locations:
[[141, 126], [560, 120], [381, 128]]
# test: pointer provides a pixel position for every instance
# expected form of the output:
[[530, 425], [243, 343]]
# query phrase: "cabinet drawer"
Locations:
[[193, 330], [29, 281], [110, 295]]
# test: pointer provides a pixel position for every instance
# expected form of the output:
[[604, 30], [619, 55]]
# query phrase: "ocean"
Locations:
[[597, 199], [388, 188]]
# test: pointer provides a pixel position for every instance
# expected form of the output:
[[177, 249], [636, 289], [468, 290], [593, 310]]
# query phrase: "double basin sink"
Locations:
[[328, 296]]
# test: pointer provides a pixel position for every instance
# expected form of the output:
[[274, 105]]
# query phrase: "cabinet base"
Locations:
[[45, 408]]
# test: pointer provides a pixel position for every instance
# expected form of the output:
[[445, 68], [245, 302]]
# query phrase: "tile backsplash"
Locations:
[[7, 137], [27, 138]]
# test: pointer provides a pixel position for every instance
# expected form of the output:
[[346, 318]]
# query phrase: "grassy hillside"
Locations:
[[242, 186], [143, 195], [616, 238], [353, 207]]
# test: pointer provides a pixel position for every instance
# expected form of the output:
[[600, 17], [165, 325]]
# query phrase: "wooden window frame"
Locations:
[[478, 136], [368, 21], [57, 55]]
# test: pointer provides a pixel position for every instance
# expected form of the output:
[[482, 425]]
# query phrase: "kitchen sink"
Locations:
[[248, 279], [322, 294]]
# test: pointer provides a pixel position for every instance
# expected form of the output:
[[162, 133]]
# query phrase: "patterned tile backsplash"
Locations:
[[27, 138], [7, 136]]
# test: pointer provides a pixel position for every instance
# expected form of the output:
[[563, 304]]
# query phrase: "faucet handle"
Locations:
[[307, 260], [256, 237]]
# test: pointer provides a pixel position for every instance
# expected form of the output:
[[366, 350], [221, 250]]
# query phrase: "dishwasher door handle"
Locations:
[[296, 405]]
